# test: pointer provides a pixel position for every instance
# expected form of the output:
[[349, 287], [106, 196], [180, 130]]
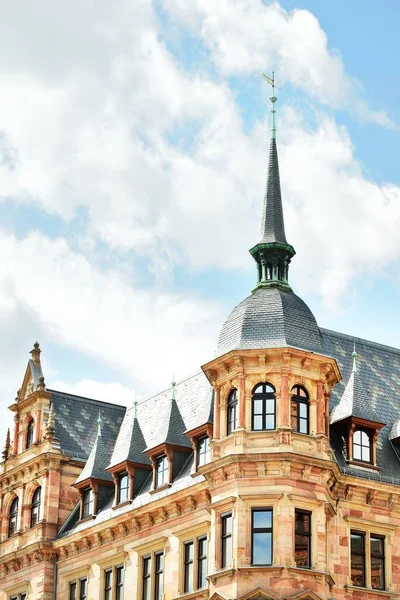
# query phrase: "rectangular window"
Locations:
[[261, 536], [83, 588], [87, 503], [119, 582], [201, 562], [108, 584], [188, 567], [377, 544], [226, 539], [203, 451], [358, 559], [161, 471], [72, 590], [302, 541], [123, 487], [158, 575], [146, 578], [21, 596]]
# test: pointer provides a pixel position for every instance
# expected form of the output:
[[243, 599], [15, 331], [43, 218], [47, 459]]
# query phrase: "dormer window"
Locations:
[[203, 451], [87, 503], [13, 518], [123, 488], [162, 469], [299, 409], [29, 434], [231, 412], [263, 407], [361, 446]]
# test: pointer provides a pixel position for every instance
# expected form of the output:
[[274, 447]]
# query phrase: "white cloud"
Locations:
[[113, 392], [96, 112], [250, 36]]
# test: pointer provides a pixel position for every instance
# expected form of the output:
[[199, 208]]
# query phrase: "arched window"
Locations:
[[231, 412], [263, 413], [123, 487], [87, 503], [29, 434], [299, 409], [361, 446], [13, 518], [35, 510]]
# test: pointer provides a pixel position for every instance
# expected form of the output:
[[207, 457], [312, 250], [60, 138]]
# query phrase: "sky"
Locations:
[[133, 156]]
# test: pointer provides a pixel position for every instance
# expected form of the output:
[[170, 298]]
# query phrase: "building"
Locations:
[[273, 473]]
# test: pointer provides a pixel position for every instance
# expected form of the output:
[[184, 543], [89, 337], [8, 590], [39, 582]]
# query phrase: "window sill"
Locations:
[[363, 590], [165, 486], [223, 573], [124, 503], [261, 569], [303, 570], [88, 518], [362, 465], [203, 593]]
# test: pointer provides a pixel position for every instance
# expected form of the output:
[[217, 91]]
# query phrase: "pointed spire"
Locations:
[[98, 460], [7, 445], [50, 427], [273, 253]]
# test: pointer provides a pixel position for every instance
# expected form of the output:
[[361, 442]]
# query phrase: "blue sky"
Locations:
[[133, 154]]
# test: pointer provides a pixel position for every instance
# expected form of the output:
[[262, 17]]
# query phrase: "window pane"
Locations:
[[302, 522], [257, 423], [364, 439], [303, 410], [270, 422], [303, 426], [357, 570], [377, 545], [227, 524], [270, 406], [302, 547], [262, 519], [357, 542], [72, 590], [377, 573], [365, 454], [258, 407], [356, 452], [227, 552], [262, 548]]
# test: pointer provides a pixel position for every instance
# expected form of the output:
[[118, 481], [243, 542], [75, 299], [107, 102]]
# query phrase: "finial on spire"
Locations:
[[135, 410], [173, 384], [99, 424], [273, 99], [50, 427], [35, 353], [354, 356]]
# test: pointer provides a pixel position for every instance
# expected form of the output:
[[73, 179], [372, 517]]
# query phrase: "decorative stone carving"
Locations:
[[123, 529], [392, 501], [348, 492], [371, 496]]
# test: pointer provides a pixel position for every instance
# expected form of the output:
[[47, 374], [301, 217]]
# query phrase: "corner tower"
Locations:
[[272, 316]]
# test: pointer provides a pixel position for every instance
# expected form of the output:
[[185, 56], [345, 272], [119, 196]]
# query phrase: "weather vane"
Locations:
[[273, 99]]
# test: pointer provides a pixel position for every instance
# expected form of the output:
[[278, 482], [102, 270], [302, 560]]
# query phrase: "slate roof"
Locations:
[[380, 369], [172, 430], [272, 224], [270, 318], [76, 423], [96, 464], [130, 443], [395, 431], [353, 402]]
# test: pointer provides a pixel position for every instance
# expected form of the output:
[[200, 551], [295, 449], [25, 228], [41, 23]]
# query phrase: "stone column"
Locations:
[[37, 426], [217, 413], [285, 402], [242, 401], [16, 434], [320, 408]]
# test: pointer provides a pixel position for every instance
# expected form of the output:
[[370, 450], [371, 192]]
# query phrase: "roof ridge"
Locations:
[[360, 339], [102, 402]]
